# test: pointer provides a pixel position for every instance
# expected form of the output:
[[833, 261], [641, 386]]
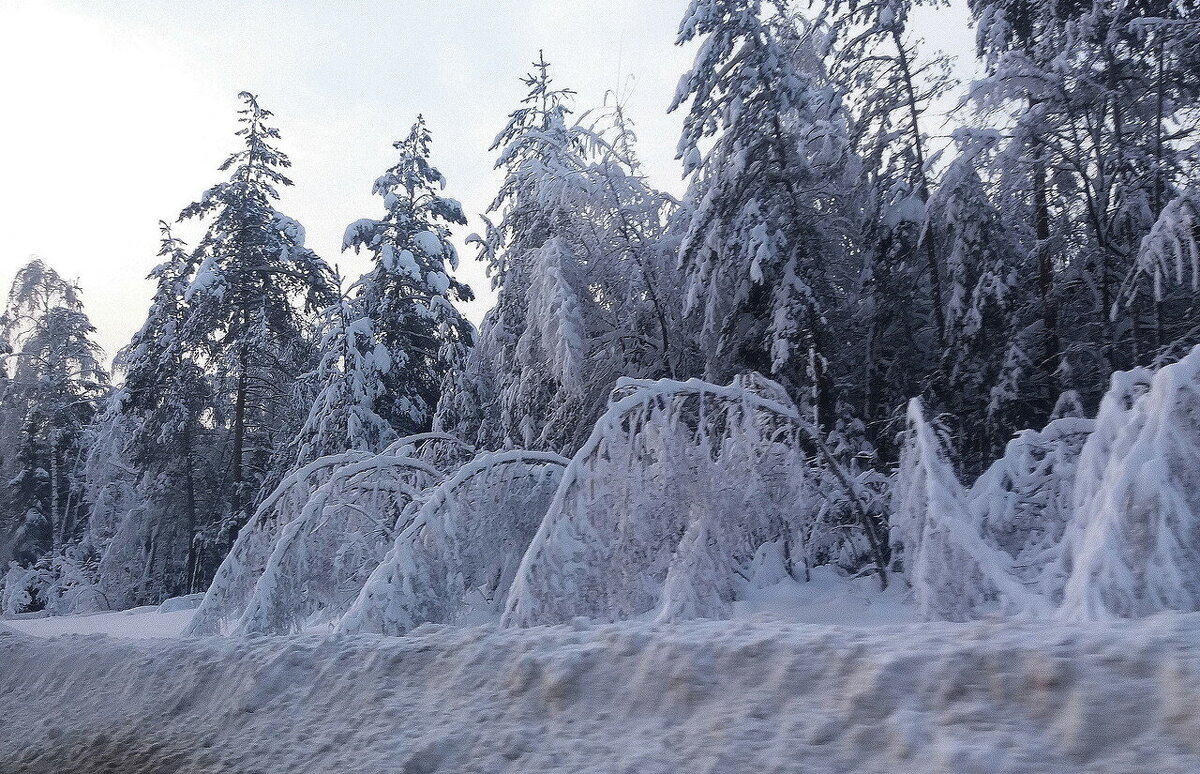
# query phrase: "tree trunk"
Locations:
[[1041, 222]]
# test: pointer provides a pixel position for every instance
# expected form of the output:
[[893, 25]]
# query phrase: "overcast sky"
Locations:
[[117, 113]]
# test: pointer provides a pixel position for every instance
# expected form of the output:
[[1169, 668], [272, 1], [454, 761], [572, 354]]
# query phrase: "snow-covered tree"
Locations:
[[152, 467], [897, 298], [937, 536], [308, 550], [349, 383], [1098, 103], [1026, 502], [1167, 269], [401, 330], [579, 260], [674, 493], [456, 561], [982, 267], [249, 315], [766, 146], [53, 386], [1138, 499]]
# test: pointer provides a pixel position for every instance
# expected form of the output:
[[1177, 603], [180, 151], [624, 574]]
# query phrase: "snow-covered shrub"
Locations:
[[1024, 500], [230, 591], [678, 486], [20, 590], [457, 559], [60, 583], [312, 542], [323, 557], [1137, 546], [955, 574]]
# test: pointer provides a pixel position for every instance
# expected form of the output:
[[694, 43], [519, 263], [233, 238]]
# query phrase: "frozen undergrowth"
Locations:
[[1084, 520], [717, 697]]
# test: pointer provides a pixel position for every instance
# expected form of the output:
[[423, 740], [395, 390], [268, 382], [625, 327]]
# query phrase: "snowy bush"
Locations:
[[678, 486], [1024, 500], [1137, 548], [312, 543], [457, 559], [955, 574], [322, 558], [230, 591], [60, 584]]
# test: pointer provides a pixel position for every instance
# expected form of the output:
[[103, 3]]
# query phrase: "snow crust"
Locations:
[[717, 697]]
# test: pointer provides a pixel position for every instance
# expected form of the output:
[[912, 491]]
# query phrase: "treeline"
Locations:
[[826, 240]]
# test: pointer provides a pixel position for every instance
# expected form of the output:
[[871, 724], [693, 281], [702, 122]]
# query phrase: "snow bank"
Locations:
[[709, 697]]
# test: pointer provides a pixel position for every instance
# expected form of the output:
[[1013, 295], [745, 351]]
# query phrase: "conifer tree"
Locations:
[[400, 328], [249, 313], [765, 232], [581, 265], [53, 385]]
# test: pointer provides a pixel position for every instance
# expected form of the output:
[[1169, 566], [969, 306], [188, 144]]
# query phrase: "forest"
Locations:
[[961, 367]]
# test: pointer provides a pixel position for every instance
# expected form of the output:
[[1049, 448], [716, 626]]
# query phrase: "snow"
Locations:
[[827, 598], [429, 243], [717, 697], [150, 622]]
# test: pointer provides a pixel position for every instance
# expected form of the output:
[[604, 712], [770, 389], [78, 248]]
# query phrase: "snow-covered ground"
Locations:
[[138, 623], [756, 694]]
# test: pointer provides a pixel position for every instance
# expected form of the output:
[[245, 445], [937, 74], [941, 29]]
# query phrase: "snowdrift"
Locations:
[[715, 697]]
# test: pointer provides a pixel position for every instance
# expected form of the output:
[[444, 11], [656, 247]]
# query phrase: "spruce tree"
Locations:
[[249, 319], [765, 144], [400, 330]]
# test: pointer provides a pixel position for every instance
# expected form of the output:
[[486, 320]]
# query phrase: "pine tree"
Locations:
[[982, 269], [350, 383]]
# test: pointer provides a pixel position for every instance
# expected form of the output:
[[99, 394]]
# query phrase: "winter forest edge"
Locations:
[[968, 373]]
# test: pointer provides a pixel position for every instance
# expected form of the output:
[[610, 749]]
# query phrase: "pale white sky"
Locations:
[[116, 113]]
